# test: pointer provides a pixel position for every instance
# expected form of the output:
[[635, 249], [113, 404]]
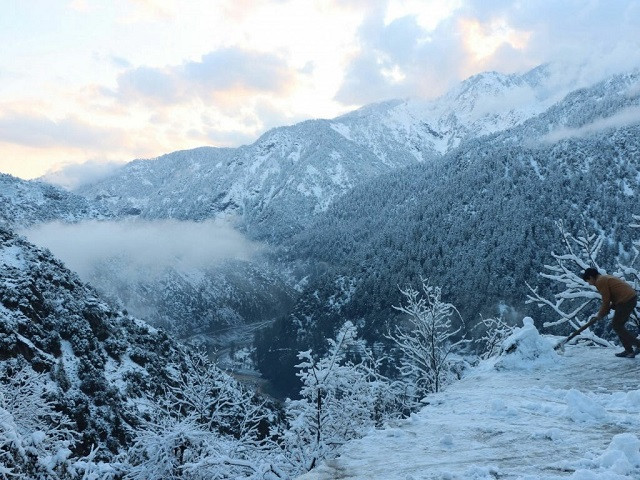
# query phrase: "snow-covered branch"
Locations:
[[434, 329], [340, 400]]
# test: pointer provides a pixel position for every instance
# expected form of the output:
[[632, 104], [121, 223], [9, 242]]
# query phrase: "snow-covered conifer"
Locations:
[[631, 269], [35, 439], [340, 401]]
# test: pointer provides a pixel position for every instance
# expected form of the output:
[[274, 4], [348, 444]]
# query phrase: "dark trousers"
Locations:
[[623, 312]]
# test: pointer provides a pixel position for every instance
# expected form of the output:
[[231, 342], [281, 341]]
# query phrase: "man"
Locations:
[[620, 296]]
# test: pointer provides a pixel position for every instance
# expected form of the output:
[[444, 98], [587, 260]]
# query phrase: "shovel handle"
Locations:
[[577, 332]]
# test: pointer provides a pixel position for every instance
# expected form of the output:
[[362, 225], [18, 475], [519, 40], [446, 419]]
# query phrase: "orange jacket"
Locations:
[[614, 291]]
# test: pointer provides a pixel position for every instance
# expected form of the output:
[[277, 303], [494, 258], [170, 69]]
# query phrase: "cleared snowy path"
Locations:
[[575, 416]]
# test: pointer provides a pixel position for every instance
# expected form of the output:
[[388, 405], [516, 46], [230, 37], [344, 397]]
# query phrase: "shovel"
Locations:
[[562, 343]]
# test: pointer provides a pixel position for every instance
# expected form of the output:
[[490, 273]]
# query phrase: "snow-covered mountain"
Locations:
[[481, 105], [272, 186], [292, 173], [96, 357], [289, 180], [480, 222], [531, 414], [24, 203]]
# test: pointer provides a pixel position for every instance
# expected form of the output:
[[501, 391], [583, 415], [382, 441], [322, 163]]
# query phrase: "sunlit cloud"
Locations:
[[80, 5], [149, 10], [427, 13], [404, 51], [484, 40], [111, 81]]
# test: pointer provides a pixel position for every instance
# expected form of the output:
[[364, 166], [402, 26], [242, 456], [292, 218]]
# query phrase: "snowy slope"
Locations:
[[527, 415], [481, 105], [290, 174], [272, 186], [24, 203], [99, 360]]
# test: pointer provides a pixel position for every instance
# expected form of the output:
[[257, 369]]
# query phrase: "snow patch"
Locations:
[[12, 257], [620, 461], [70, 360], [623, 454], [525, 349], [342, 129], [517, 423], [536, 168], [583, 408]]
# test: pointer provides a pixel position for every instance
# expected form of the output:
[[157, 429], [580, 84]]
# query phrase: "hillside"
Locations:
[[480, 222], [25, 203], [289, 175], [482, 219], [99, 359], [464, 190], [531, 414], [82, 383]]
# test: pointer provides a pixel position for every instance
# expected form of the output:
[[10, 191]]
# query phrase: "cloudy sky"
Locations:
[[99, 81]]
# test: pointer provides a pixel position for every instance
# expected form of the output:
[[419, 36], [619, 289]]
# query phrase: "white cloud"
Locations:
[[596, 39], [625, 117], [143, 246], [35, 130], [232, 72], [73, 175], [170, 64]]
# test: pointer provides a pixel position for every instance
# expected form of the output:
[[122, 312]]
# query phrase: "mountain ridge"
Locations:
[[322, 158]]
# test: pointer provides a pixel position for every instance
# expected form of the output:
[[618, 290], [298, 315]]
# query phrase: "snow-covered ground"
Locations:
[[530, 414]]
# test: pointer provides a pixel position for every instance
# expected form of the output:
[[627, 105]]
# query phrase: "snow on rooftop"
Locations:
[[531, 414]]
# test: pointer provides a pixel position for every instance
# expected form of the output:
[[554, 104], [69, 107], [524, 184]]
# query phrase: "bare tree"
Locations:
[[570, 304], [494, 331], [206, 426], [434, 329], [214, 398], [35, 438]]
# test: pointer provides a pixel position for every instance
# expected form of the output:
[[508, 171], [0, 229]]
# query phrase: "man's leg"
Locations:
[[623, 311]]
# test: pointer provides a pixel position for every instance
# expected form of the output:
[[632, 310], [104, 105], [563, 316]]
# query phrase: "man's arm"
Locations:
[[606, 302]]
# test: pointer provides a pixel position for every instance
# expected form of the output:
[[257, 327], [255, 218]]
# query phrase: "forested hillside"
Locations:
[[91, 392], [96, 359], [481, 222], [277, 187]]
